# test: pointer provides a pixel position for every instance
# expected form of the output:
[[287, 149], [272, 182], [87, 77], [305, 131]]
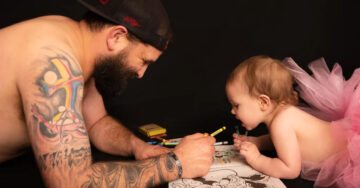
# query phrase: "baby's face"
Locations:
[[245, 107]]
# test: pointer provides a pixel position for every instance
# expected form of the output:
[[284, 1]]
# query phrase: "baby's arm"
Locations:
[[287, 164]]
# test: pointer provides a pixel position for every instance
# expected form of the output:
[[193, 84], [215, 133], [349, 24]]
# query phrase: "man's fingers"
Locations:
[[196, 135], [211, 139]]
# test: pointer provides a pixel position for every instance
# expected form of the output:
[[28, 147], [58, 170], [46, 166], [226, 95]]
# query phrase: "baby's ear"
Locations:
[[264, 102]]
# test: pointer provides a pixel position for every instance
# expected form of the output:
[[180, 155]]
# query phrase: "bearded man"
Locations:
[[54, 72]]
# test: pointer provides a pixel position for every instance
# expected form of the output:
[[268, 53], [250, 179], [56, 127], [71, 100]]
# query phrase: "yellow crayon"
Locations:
[[218, 131]]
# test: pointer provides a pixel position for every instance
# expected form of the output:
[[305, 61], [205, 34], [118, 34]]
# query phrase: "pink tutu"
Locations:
[[332, 98]]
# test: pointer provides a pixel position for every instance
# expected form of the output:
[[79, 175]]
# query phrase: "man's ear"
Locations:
[[116, 37], [264, 102]]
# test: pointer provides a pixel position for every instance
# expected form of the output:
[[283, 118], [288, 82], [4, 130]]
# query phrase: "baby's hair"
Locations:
[[265, 75]]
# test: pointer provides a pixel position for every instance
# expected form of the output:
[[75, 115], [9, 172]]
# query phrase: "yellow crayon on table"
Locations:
[[218, 131]]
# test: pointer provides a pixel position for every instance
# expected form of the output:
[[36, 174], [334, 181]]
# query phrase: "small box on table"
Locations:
[[152, 129]]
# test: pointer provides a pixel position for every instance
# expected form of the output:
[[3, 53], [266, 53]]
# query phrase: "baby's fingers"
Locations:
[[235, 136], [245, 145], [243, 151], [238, 147], [237, 142]]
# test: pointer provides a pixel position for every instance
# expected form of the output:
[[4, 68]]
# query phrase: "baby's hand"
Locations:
[[249, 151], [238, 139]]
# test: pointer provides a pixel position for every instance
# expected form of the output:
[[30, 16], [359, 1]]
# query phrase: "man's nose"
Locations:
[[141, 72]]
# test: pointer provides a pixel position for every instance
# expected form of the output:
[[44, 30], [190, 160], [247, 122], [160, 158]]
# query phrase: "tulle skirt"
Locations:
[[332, 98]]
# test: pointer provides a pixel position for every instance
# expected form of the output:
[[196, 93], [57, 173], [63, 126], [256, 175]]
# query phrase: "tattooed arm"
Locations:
[[109, 135], [52, 92]]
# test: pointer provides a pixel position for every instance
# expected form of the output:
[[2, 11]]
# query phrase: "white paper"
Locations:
[[229, 170]]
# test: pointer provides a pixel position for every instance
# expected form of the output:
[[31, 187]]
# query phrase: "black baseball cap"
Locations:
[[146, 19]]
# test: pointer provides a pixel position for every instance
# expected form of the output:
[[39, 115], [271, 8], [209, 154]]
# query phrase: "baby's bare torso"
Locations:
[[315, 137], [19, 44]]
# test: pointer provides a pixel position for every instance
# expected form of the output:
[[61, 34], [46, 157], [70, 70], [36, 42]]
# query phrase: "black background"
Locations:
[[184, 90]]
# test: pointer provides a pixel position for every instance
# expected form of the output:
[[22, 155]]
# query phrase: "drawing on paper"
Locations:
[[229, 170]]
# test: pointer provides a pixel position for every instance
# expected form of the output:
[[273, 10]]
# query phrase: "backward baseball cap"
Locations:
[[146, 19]]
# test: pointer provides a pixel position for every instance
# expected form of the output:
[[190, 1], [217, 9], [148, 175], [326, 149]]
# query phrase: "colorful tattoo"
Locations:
[[58, 118], [63, 148]]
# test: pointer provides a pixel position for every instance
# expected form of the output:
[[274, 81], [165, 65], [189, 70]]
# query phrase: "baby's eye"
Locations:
[[235, 105]]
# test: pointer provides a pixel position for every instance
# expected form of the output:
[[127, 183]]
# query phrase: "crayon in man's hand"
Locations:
[[218, 131]]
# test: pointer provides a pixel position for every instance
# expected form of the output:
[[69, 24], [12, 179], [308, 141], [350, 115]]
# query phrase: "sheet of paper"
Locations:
[[229, 170]]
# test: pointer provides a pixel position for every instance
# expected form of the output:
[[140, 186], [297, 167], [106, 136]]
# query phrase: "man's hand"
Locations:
[[195, 153], [144, 151]]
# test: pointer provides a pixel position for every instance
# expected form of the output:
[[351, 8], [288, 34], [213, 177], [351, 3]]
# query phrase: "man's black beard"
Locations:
[[111, 74]]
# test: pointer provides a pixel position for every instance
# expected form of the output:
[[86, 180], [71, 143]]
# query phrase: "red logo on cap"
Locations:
[[104, 2], [166, 45], [132, 21]]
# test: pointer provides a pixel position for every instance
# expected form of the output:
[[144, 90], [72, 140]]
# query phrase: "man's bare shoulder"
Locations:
[[51, 22], [48, 20], [25, 41], [38, 32]]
